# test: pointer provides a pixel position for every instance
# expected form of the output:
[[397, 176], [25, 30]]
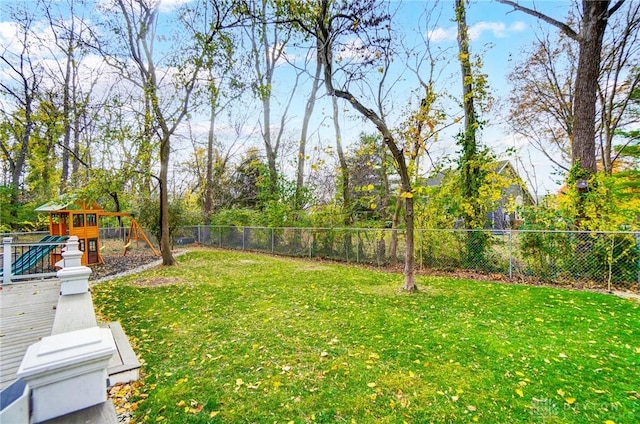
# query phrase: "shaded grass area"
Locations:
[[237, 337]]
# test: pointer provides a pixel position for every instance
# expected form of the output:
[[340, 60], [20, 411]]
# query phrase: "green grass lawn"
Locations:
[[238, 337]]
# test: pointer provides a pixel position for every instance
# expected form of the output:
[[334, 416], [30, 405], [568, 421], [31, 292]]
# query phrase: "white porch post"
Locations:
[[6, 260], [67, 372], [74, 276]]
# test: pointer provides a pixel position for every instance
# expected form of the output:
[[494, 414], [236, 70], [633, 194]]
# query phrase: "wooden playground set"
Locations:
[[82, 219]]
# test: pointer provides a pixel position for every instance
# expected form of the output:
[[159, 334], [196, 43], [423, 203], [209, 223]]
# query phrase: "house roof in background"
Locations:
[[503, 167]]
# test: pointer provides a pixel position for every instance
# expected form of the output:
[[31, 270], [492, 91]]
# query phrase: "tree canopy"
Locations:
[[324, 111]]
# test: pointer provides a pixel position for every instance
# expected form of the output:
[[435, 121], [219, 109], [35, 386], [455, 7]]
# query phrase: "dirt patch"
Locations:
[[156, 281], [313, 268]]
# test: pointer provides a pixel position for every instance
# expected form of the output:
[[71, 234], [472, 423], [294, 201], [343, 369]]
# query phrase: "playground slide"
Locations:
[[31, 257]]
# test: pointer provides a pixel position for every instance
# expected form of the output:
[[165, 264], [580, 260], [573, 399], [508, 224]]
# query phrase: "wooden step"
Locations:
[[124, 366]]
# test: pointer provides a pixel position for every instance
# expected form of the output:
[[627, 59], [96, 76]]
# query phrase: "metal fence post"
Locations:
[[6, 260], [357, 246], [272, 240], [420, 249], [510, 254], [637, 234]]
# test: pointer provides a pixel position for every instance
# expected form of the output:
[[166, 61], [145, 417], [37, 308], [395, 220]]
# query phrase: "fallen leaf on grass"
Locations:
[[194, 411], [520, 392]]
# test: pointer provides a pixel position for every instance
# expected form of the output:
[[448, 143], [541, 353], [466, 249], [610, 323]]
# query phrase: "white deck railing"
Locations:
[[28, 261], [76, 354]]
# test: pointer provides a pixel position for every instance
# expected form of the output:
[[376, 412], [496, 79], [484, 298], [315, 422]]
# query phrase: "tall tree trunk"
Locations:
[[395, 220], [21, 158], [271, 151], [66, 120], [323, 36], [266, 81], [474, 219], [593, 25], [76, 113], [344, 169], [468, 138], [207, 208], [308, 111], [590, 35], [165, 237], [146, 149], [409, 264]]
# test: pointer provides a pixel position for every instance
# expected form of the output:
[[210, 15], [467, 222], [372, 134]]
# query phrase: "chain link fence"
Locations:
[[600, 259]]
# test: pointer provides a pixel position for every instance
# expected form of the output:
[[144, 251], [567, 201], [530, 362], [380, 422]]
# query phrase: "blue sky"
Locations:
[[498, 35]]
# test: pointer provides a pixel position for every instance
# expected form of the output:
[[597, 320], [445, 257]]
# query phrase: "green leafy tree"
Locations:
[[251, 179], [20, 86], [166, 105], [225, 82], [43, 174], [269, 39], [369, 170], [472, 157], [179, 215], [628, 153], [333, 25]]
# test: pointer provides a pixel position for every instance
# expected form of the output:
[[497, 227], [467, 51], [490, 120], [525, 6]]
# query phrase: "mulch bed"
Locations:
[[118, 264]]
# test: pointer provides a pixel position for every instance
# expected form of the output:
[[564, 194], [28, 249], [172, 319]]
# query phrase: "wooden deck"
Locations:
[[27, 311]]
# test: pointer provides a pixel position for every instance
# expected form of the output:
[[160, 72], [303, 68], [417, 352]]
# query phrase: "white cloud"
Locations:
[[442, 34], [168, 6], [354, 51], [497, 29], [164, 6], [8, 33], [517, 26]]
